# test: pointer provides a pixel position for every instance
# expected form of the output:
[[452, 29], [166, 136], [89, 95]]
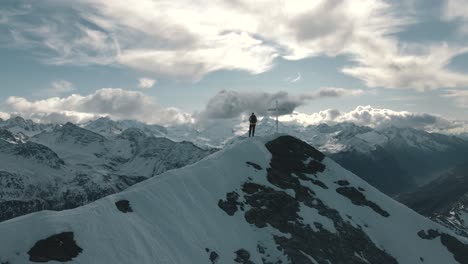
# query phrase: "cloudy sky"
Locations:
[[170, 61]]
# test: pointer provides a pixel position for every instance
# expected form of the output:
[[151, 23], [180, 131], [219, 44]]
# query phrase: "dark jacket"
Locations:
[[253, 120]]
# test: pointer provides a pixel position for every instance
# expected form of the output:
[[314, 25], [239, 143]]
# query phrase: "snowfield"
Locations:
[[261, 200]]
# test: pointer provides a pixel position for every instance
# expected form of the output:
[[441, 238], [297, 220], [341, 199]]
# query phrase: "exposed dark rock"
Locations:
[[272, 207], [342, 182], [429, 235], [243, 256], [278, 209], [214, 257], [293, 153], [318, 183], [61, 247], [458, 249], [315, 166], [358, 198], [124, 206], [254, 165], [230, 204]]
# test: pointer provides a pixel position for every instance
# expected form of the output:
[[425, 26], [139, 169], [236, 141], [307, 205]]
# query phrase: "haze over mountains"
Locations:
[[445, 199]]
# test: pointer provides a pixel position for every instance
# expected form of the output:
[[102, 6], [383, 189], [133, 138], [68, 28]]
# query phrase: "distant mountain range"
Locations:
[[106, 156], [62, 167], [394, 160]]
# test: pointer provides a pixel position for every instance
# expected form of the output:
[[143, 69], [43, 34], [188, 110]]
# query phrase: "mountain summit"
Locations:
[[262, 200]]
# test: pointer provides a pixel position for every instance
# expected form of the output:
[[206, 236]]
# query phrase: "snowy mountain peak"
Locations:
[[18, 120], [109, 128], [262, 200], [27, 128], [104, 126], [72, 132]]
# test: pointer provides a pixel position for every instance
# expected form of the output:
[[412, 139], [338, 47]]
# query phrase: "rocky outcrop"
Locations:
[[61, 247], [293, 163], [124, 206]]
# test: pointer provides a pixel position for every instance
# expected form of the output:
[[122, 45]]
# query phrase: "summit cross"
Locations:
[[276, 111]]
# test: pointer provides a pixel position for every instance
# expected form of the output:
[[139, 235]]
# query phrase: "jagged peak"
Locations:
[[70, 131]]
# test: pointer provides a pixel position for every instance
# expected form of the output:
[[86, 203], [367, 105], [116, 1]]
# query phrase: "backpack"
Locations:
[[253, 119]]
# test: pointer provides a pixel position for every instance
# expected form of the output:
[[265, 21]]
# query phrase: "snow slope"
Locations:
[[262, 200]]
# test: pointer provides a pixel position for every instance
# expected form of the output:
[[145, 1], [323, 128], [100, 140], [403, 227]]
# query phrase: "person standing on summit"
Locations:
[[253, 123]]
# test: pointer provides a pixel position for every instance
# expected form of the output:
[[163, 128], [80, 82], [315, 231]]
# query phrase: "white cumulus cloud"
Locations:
[[116, 103], [189, 39], [146, 83], [379, 118], [232, 104], [4, 116]]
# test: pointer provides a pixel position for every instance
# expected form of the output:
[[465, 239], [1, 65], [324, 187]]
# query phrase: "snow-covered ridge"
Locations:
[[262, 200]]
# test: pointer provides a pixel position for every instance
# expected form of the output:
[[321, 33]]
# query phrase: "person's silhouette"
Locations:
[[253, 123]]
